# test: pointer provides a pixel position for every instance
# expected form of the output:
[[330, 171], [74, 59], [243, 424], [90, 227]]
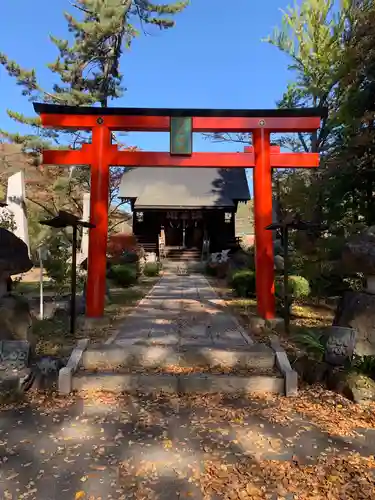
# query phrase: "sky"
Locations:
[[213, 58]]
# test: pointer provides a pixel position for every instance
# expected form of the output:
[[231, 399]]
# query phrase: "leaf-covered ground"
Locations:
[[315, 446], [53, 337], [304, 316]]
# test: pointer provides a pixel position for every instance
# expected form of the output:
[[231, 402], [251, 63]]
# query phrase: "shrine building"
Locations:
[[191, 208]]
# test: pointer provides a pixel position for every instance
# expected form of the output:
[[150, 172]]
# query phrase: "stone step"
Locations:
[[177, 383], [113, 357]]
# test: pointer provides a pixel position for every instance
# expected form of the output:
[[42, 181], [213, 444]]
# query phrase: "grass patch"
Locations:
[[32, 288], [53, 336], [305, 316]]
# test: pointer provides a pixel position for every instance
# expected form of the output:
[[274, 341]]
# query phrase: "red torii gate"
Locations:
[[100, 154]]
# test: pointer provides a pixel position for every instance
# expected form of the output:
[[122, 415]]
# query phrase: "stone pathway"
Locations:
[[202, 447], [166, 448], [182, 310]]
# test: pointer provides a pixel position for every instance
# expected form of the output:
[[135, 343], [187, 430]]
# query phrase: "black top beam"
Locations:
[[174, 112]]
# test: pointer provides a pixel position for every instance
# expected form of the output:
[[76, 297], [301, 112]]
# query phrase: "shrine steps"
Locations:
[[183, 254], [175, 369], [187, 258]]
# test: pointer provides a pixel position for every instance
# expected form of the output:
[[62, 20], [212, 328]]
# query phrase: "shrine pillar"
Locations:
[[99, 199], [264, 264]]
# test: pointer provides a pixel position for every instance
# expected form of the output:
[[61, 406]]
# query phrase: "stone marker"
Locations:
[[340, 345], [16, 200], [14, 366], [85, 230], [14, 354]]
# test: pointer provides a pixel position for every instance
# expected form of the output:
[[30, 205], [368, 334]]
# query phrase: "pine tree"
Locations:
[[88, 73], [88, 68]]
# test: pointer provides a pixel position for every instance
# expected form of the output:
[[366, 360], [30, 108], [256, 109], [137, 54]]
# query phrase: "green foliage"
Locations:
[[87, 70], [299, 287], [129, 257], [312, 342], [124, 274], [151, 269], [243, 282], [364, 365], [56, 264]]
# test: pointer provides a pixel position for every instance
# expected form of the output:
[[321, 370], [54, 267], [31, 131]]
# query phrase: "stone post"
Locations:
[[16, 200]]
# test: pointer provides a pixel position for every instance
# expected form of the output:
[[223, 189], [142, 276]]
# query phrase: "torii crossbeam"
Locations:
[[101, 154]]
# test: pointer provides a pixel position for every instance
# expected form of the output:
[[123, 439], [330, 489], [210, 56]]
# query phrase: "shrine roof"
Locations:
[[166, 187]]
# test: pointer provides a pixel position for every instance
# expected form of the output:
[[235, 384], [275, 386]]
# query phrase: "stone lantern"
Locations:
[[356, 309]]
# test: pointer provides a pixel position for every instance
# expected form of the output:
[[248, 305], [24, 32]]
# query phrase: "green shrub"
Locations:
[[298, 286], [364, 365], [124, 274], [57, 265], [312, 342], [128, 257], [243, 282], [151, 269]]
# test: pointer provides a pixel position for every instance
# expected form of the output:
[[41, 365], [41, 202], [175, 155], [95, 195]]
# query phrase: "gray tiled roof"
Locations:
[[184, 187]]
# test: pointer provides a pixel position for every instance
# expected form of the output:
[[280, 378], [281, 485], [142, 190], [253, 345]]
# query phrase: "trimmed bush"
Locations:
[[128, 257], [243, 282], [124, 274], [151, 269], [299, 287]]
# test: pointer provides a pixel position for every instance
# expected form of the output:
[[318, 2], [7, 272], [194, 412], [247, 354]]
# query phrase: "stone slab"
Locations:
[[283, 364], [229, 336], [16, 200], [340, 345], [76, 355], [14, 354], [66, 373], [85, 231], [182, 384], [113, 357], [255, 356], [118, 383], [202, 383]]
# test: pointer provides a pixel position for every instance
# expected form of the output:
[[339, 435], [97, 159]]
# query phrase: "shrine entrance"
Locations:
[[184, 229], [101, 154]]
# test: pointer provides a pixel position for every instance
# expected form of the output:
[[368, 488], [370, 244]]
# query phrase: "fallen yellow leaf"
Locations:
[[333, 479], [79, 495]]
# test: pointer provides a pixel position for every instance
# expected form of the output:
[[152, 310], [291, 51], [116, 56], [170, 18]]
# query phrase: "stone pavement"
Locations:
[[164, 448], [167, 447], [182, 310]]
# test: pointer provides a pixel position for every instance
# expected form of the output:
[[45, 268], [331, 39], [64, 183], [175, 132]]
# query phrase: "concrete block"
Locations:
[[111, 382], [283, 364], [282, 361], [118, 382], [157, 383], [76, 355], [111, 357], [199, 383], [254, 356], [291, 383], [65, 380], [65, 374]]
